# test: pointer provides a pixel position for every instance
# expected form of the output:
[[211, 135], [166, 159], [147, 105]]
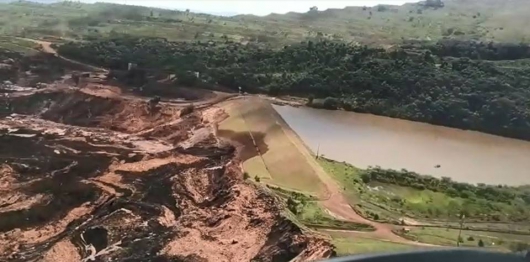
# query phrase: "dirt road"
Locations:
[[337, 204], [47, 48]]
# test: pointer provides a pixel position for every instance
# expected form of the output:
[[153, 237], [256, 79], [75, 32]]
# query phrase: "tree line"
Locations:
[[484, 50], [419, 83]]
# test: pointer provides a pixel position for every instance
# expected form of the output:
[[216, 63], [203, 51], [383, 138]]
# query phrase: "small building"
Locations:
[[131, 66]]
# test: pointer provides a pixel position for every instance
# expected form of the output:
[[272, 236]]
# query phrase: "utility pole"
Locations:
[[462, 217], [318, 149]]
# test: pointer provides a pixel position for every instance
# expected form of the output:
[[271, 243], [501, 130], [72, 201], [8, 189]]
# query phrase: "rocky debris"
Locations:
[[8, 61], [101, 178], [5, 66]]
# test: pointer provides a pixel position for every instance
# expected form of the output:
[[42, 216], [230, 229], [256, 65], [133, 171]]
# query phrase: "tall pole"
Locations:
[[462, 216], [318, 149]]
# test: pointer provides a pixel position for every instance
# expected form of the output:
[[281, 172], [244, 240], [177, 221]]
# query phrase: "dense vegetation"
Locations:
[[477, 202], [473, 49], [457, 92], [430, 20]]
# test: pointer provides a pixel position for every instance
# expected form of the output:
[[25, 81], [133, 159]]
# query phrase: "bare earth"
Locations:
[[90, 175]]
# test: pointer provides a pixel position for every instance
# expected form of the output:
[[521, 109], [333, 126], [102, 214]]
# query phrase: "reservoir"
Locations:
[[367, 140]]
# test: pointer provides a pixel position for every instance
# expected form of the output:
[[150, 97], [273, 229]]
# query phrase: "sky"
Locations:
[[255, 7]]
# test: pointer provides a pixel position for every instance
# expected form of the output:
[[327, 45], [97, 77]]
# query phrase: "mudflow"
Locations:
[[91, 173]]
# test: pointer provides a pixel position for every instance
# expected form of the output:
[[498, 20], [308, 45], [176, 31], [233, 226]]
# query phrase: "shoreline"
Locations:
[[297, 102], [425, 149]]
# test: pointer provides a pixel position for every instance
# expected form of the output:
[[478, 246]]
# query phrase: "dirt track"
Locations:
[[47, 48], [337, 204]]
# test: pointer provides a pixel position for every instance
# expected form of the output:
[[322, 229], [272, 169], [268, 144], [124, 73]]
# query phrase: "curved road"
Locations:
[[337, 204], [47, 48]]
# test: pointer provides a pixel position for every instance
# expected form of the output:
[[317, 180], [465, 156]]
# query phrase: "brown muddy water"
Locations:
[[366, 140]]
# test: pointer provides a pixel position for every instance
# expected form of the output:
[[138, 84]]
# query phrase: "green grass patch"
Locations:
[[18, 45], [429, 197], [349, 177], [348, 245], [421, 204], [390, 196], [449, 237], [309, 212], [345, 246], [313, 215]]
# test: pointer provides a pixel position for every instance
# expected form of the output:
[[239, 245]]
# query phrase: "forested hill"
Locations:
[[458, 63], [421, 84], [432, 20]]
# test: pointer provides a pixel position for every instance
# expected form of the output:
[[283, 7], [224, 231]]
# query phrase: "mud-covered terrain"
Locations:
[[89, 175]]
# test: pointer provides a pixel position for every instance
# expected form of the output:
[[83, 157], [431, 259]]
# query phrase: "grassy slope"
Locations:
[[18, 45], [348, 245], [346, 174], [349, 178], [310, 213], [423, 205], [280, 163], [351, 246], [448, 237], [484, 19]]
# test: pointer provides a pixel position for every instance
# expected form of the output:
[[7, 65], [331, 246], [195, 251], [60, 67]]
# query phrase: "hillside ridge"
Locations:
[[499, 21]]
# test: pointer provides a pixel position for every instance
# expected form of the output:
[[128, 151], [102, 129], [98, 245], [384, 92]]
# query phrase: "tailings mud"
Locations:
[[88, 176]]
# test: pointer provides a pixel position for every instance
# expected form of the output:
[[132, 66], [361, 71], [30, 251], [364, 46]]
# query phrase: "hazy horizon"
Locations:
[[254, 7]]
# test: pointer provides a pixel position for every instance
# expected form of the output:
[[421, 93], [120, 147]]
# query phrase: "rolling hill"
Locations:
[[490, 20]]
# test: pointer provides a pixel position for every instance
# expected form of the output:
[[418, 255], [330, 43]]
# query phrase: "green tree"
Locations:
[[480, 243], [366, 177], [330, 103], [292, 205]]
